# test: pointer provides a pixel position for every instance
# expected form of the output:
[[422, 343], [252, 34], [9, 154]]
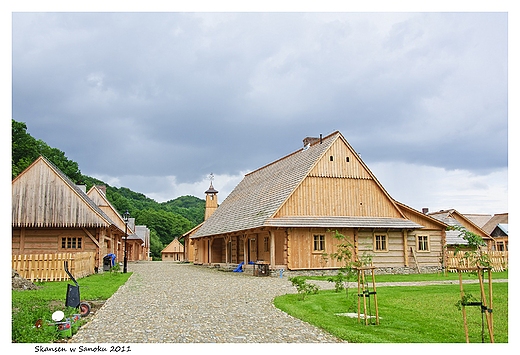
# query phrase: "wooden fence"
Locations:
[[50, 267], [499, 260]]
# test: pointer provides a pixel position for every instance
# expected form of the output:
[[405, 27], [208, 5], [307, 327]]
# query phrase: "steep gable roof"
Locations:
[[260, 195], [479, 219], [100, 199], [453, 218], [42, 196], [500, 218], [175, 246]]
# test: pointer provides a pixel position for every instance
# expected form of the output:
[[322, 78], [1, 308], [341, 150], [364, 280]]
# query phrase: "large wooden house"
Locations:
[[51, 214], [287, 214]]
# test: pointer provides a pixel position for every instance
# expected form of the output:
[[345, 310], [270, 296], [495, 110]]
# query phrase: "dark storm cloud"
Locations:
[[185, 94]]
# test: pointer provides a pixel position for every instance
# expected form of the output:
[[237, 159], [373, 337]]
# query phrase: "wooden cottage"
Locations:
[[173, 252], [454, 239], [286, 214], [498, 228], [50, 214], [140, 250]]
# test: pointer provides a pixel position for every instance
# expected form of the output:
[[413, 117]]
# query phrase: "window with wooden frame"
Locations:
[[319, 242], [266, 244], [423, 243], [380, 242], [71, 242]]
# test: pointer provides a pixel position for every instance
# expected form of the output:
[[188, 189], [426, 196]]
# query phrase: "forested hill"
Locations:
[[166, 220]]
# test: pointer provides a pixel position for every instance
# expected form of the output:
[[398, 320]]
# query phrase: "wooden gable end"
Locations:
[[468, 224], [102, 202], [426, 221], [174, 247], [340, 184], [43, 197]]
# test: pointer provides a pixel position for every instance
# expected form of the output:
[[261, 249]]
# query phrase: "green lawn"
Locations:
[[30, 305], [421, 277], [421, 314]]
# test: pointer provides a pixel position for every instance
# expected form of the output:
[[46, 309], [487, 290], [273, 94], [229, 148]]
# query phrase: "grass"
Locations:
[[420, 277], [31, 305], [419, 314]]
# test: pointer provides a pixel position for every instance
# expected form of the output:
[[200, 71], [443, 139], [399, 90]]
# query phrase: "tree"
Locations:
[[167, 225], [155, 245], [26, 149]]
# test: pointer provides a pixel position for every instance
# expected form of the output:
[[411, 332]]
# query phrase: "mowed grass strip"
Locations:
[[418, 314]]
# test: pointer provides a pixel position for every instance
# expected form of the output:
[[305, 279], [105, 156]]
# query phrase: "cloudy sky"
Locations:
[[157, 101]]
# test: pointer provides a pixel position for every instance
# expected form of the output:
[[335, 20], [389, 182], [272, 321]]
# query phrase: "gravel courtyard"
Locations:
[[183, 303]]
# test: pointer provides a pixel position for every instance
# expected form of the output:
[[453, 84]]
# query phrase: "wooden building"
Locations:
[[287, 213], [498, 228], [173, 251], [454, 238], [140, 247], [50, 214]]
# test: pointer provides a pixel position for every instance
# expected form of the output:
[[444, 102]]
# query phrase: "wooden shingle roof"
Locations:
[[257, 198], [42, 196]]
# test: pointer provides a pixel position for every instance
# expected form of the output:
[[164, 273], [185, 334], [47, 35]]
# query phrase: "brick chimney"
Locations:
[[102, 188], [311, 140]]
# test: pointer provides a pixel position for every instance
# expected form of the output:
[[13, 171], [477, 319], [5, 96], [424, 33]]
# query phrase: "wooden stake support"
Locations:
[[483, 301], [364, 292]]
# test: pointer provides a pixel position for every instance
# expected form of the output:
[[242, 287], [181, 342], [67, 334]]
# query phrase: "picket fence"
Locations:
[[50, 267], [499, 260]]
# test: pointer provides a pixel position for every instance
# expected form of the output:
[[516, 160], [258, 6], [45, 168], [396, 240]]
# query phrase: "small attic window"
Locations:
[[347, 159], [331, 158]]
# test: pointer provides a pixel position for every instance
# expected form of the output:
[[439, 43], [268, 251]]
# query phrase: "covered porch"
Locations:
[[256, 246]]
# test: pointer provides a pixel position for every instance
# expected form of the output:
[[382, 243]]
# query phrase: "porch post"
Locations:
[[226, 243], [244, 239], [405, 247], [210, 241], [272, 251]]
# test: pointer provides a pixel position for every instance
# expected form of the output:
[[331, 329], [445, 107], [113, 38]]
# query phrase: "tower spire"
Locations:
[[211, 198]]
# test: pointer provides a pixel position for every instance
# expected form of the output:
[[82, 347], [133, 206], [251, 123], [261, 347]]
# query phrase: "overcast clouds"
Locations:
[[157, 101]]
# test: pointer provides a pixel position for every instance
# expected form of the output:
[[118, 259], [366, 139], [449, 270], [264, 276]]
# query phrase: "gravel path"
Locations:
[[182, 303]]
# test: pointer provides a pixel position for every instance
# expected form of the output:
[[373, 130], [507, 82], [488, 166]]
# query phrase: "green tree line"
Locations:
[[166, 220]]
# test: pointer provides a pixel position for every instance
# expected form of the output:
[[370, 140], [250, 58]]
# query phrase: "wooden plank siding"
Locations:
[[339, 184], [300, 253], [48, 240], [340, 161], [42, 198], [320, 196]]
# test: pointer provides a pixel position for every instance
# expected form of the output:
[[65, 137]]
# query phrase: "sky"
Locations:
[[158, 101]]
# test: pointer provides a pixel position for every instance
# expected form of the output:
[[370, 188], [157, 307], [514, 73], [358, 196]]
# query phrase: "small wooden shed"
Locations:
[[173, 252]]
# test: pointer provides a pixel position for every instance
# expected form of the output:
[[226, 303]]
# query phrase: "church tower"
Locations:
[[211, 200]]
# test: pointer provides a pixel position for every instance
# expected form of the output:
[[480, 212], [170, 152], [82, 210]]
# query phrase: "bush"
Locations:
[[303, 287]]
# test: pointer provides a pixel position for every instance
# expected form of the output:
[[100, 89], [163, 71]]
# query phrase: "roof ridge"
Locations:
[[293, 153]]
